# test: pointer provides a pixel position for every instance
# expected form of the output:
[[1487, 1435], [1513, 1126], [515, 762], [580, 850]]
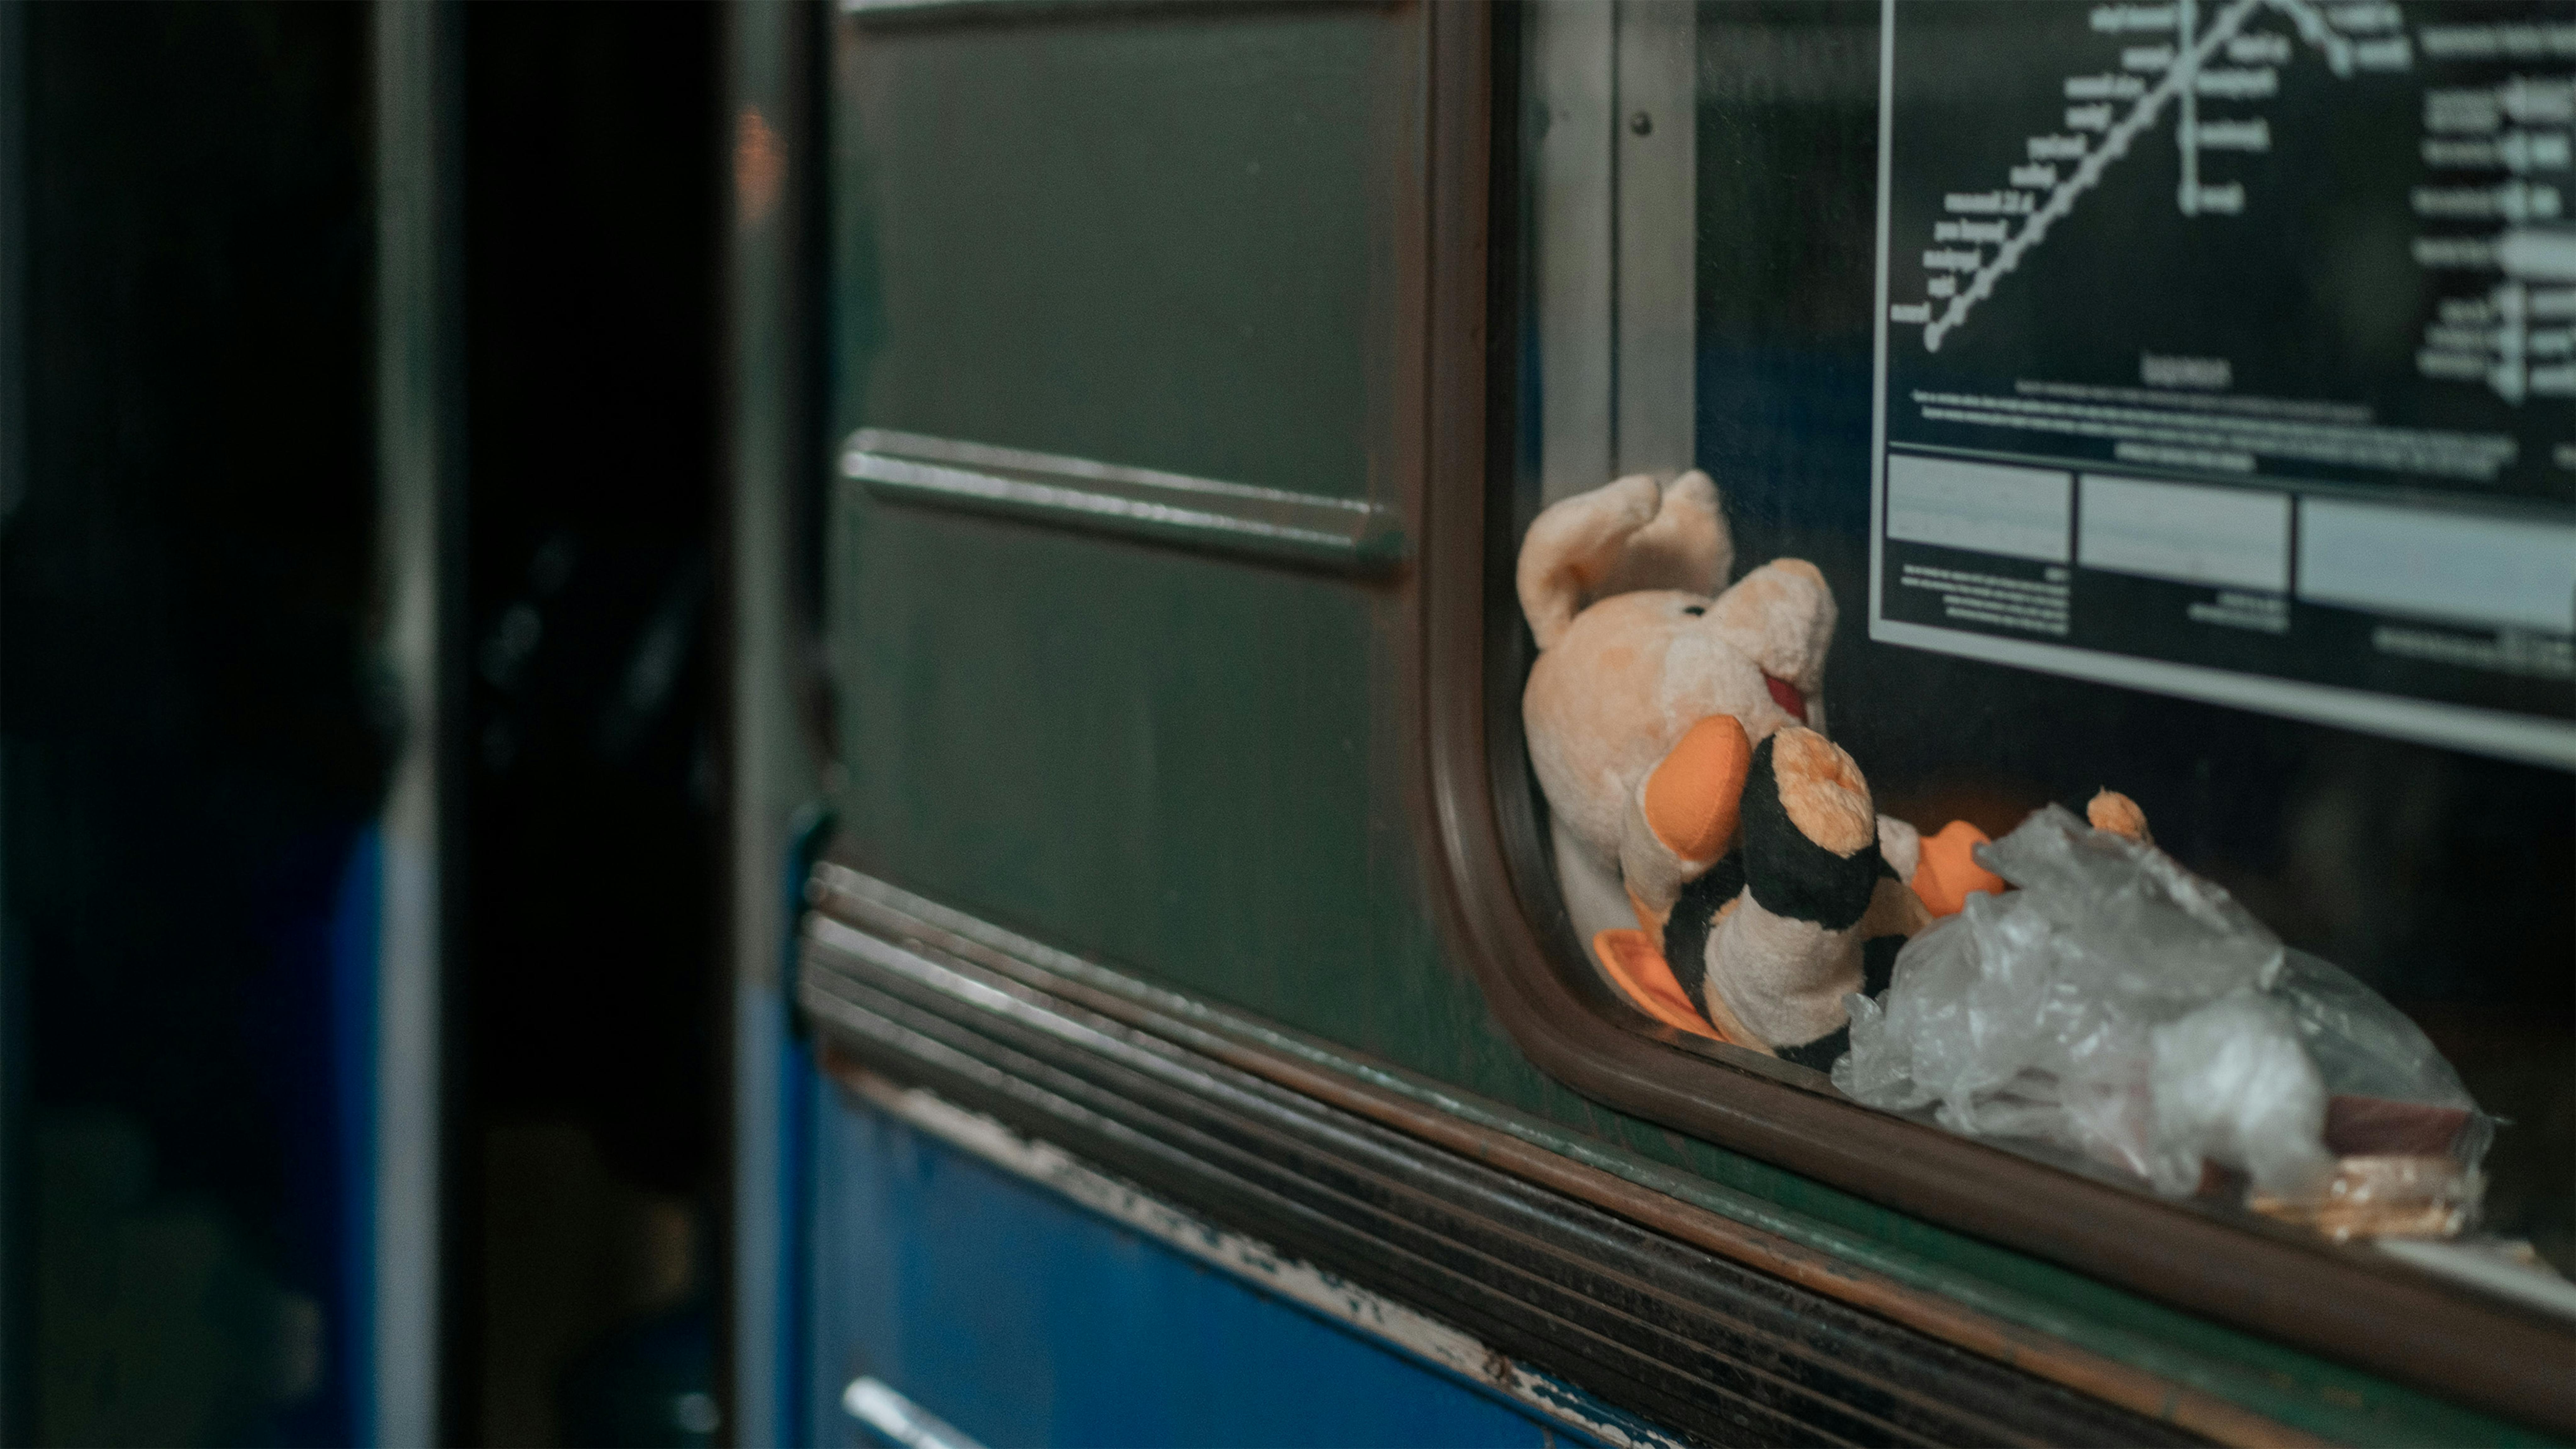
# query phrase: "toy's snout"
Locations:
[[1781, 616]]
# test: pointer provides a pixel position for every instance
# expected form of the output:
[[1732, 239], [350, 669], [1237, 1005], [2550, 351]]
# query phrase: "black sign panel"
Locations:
[[2228, 348]]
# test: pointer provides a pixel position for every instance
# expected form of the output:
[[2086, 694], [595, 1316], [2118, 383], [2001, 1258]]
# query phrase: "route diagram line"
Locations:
[[2187, 130], [2184, 71]]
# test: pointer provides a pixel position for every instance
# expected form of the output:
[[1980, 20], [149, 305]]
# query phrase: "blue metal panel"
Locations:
[[772, 1094], [773, 1101], [1021, 1318], [356, 929]]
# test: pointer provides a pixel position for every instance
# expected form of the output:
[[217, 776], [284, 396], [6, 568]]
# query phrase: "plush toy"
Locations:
[[1721, 856]]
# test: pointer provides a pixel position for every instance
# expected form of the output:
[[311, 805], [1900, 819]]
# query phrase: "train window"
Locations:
[[2127, 446]]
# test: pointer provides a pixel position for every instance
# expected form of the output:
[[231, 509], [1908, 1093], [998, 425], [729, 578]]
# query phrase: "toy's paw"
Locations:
[[1810, 835], [1878, 967], [1899, 845], [1692, 798], [1948, 873], [2112, 811]]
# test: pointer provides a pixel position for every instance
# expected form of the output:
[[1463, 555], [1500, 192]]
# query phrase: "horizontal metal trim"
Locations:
[[1355, 1308], [873, 1402], [1637, 1317], [1346, 535]]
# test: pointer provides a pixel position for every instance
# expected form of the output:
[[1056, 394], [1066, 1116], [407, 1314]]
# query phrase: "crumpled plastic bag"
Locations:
[[2118, 1005], [2231, 1084]]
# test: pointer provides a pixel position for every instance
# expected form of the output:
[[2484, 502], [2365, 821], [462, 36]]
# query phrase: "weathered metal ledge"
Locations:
[[1703, 1325], [1271, 524]]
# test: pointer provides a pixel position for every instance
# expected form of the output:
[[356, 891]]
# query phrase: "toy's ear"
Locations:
[[1619, 538]]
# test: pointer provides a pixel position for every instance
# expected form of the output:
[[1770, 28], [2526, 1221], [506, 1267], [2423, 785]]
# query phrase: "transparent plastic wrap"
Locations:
[[2117, 1005]]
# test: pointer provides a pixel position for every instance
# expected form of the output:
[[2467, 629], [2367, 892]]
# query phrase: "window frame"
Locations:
[[1491, 884]]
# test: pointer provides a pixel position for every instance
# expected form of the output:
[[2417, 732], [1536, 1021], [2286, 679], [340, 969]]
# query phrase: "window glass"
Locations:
[[2175, 398]]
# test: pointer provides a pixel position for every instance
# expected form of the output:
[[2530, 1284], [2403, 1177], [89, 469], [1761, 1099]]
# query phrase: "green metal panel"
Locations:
[[1153, 241], [1173, 240]]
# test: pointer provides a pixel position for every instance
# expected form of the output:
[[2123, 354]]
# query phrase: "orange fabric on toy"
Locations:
[[1948, 873], [1692, 797], [1640, 970]]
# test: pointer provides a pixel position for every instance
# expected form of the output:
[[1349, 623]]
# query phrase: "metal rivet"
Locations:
[[1641, 124]]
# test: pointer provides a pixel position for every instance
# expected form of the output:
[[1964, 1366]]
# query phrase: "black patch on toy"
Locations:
[[1818, 1055], [1790, 874], [1878, 963], [1686, 929]]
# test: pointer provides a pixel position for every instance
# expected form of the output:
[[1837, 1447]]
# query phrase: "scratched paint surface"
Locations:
[[1022, 1318]]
